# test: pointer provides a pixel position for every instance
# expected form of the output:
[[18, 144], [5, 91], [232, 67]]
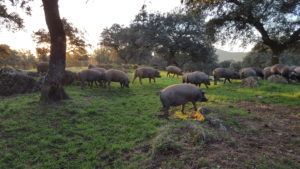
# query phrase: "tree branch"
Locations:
[[294, 37]]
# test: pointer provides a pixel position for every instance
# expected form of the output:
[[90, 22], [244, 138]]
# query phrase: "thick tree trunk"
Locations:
[[275, 60], [275, 55], [171, 59], [52, 89]]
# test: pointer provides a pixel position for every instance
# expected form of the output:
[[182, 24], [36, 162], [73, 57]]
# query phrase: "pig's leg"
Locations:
[[225, 80], [154, 80], [140, 79], [108, 83], [215, 80], [229, 81], [104, 84], [149, 79], [195, 106], [166, 111], [182, 108], [82, 84], [133, 79]]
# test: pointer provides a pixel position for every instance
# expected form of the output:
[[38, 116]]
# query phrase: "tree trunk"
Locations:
[[171, 58], [275, 55], [52, 89], [275, 60]]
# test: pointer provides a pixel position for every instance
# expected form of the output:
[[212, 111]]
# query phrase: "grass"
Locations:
[[97, 127]]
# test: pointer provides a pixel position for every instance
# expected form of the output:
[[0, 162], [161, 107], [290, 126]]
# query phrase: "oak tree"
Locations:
[[275, 23]]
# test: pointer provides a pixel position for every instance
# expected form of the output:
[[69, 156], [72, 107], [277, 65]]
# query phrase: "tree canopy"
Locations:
[[23, 59], [5, 53], [76, 44], [177, 37], [12, 20], [275, 23]]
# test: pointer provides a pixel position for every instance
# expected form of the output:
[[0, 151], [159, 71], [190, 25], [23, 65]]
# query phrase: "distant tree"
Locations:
[[275, 23], [126, 42], [105, 55], [17, 59], [175, 35], [26, 60], [5, 55], [260, 56], [225, 63], [43, 54], [76, 51], [236, 65]]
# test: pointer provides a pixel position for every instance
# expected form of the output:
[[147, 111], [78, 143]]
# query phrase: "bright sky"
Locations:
[[91, 17]]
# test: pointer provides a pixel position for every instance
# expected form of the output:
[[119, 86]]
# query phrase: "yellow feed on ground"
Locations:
[[190, 115]]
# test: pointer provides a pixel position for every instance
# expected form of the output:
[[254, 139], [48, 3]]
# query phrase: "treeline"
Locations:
[[260, 57], [20, 59], [182, 38], [157, 39]]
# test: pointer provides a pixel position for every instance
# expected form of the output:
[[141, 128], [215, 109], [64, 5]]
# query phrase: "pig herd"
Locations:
[[178, 94]]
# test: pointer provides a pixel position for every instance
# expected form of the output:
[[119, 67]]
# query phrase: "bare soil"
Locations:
[[271, 135]]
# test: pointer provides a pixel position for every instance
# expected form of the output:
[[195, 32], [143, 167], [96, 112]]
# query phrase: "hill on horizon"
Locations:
[[225, 55]]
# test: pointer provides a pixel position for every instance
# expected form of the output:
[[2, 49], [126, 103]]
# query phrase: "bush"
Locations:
[[277, 79], [158, 63], [173, 139], [17, 82]]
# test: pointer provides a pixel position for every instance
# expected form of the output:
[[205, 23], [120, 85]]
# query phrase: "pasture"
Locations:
[[119, 128]]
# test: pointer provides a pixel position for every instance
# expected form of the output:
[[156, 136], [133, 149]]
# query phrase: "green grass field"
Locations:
[[102, 128]]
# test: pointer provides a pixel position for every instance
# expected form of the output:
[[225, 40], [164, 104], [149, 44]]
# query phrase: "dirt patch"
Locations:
[[271, 134]]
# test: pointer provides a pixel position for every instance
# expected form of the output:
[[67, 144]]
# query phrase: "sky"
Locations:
[[90, 16]]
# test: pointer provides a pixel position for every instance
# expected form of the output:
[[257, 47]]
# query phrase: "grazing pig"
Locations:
[[114, 75], [184, 78], [146, 73], [68, 78], [42, 67], [90, 66], [247, 72], [295, 75], [102, 70], [297, 71], [196, 78], [224, 73], [173, 70], [90, 76], [259, 72], [267, 72], [282, 70], [180, 94]]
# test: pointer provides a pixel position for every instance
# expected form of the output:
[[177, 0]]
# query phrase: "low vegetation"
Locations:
[[119, 128]]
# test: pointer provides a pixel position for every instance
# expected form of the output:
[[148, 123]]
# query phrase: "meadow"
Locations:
[[119, 128]]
